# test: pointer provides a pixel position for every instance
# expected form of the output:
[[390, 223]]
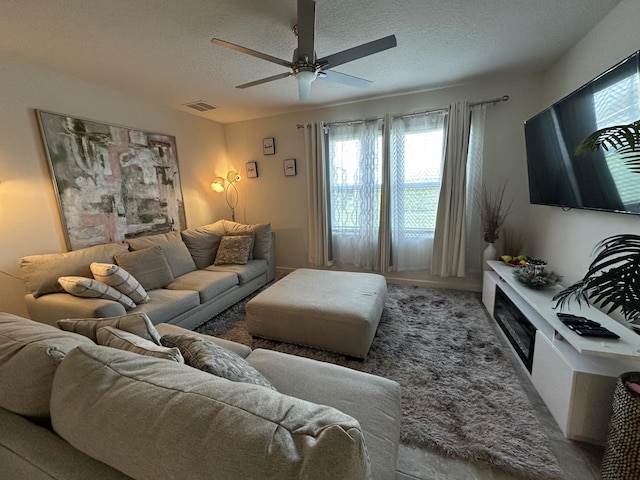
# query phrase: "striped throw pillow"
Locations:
[[118, 278], [91, 288]]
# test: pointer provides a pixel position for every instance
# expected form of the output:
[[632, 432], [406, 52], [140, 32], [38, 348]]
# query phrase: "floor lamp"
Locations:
[[231, 197]]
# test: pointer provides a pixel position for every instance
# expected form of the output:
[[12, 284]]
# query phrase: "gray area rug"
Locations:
[[460, 393]]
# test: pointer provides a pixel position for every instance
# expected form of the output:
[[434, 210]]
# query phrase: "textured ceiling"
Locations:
[[161, 49]]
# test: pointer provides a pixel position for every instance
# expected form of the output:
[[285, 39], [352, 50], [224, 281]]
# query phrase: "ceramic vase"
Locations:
[[489, 253]]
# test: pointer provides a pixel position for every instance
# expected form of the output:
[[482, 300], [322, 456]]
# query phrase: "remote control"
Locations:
[[580, 323], [573, 320], [570, 316], [596, 332]]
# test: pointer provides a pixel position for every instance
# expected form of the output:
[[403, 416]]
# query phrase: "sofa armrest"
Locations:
[[54, 306], [30, 451]]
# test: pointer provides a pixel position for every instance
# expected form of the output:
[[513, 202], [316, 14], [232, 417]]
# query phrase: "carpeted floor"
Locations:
[[460, 393]]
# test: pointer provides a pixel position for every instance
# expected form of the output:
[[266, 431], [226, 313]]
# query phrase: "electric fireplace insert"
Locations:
[[518, 330]]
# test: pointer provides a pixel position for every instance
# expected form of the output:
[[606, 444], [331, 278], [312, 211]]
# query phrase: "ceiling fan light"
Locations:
[[305, 78]]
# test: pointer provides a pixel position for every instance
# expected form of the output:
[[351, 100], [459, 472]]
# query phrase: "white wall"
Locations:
[[281, 200], [28, 206], [566, 238]]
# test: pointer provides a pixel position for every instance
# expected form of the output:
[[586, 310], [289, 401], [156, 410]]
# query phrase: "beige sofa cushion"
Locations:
[[41, 272], [91, 288], [29, 352], [31, 452], [149, 266], [262, 236], [114, 338], [118, 278], [150, 418], [203, 242], [252, 269], [372, 400], [173, 247], [136, 323]]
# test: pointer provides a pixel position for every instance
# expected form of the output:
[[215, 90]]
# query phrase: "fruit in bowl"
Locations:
[[514, 261]]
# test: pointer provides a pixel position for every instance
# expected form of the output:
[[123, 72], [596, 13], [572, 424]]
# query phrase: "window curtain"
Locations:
[[411, 243], [383, 263], [475, 160], [315, 146], [449, 239], [355, 181]]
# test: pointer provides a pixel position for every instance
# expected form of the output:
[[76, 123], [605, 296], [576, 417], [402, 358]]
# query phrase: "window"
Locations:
[[358, 173]]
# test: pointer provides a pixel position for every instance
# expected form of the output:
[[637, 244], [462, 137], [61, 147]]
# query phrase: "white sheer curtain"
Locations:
[[449, 240], [475, 159], [416, 155], [314, 143], [355, 170]]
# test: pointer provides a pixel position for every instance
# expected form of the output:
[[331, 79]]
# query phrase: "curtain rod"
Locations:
[[493, 101]]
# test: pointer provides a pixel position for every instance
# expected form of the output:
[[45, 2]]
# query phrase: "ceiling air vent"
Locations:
[[201, 106]]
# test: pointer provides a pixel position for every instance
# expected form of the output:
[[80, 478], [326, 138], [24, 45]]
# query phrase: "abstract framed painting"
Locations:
[[112, 182]]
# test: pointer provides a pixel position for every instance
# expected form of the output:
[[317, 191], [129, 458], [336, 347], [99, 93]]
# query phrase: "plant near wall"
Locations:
[[613, 277], [493, 210], [624, 139]]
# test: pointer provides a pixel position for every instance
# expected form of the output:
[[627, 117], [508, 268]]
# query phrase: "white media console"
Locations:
[[574, 375]]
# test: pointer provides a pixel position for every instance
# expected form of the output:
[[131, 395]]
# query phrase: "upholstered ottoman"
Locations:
[[335, 311]]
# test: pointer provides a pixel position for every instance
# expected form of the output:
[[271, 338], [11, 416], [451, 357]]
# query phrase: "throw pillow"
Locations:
[[234, 249], [136, 323], [211, 358], [203, 242], [115, 338], [174, 249], [91, 288], [120, 279], [149, 266], [262, 236]]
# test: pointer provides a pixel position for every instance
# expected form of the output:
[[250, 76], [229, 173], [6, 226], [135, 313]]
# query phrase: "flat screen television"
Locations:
[[596, 181]]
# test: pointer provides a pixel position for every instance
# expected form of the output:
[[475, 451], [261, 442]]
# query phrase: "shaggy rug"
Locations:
[[460, 393]]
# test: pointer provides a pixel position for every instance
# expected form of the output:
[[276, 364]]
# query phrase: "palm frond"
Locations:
[[624, 139], [612, 279]]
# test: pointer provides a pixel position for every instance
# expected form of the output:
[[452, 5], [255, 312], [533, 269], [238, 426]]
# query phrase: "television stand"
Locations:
[[575, 376]]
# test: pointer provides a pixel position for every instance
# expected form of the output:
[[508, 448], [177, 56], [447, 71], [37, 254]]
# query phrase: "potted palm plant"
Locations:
[[613, 280], [613, 277]]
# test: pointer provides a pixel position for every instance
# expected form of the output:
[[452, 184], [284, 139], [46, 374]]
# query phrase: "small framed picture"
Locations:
[[290, 167], [269, 146], [252, 170]]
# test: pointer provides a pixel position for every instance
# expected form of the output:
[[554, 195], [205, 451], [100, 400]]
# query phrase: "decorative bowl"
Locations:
[[533, 278]]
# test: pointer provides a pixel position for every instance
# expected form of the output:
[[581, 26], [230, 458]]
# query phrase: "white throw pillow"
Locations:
[[91, 288], [137, 323], [118, 278], [115, 338]]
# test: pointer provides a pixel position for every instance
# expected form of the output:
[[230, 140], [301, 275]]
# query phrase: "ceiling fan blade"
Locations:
[[357, 52], [343, 79], [265, 80], [253, 53], [306, 29]]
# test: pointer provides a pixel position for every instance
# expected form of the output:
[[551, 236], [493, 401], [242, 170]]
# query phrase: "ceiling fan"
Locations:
[[305, 66]]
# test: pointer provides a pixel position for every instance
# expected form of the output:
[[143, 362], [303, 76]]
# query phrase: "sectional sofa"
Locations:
[[115, 399], [183, 278]]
